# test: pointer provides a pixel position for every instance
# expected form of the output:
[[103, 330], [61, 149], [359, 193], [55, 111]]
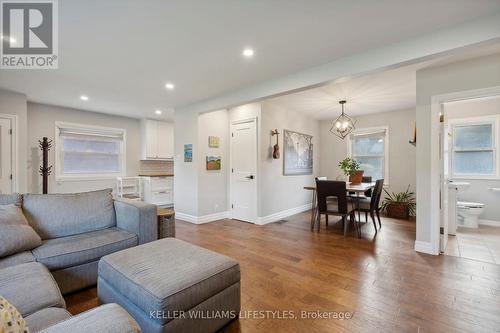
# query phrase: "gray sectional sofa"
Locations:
[[76, 230]]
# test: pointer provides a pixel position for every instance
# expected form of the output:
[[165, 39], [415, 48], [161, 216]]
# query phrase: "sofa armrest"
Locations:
[[109, 318], [138, 218]]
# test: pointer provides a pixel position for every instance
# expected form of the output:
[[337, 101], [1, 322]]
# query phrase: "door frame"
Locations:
[[257, 166], [14, 149], [437, 102]]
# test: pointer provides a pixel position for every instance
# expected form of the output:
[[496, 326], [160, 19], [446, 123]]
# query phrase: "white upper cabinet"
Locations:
[[157, 139]]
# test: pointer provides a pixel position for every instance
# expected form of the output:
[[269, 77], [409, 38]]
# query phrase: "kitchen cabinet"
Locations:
[[157, 139], [158, 190]]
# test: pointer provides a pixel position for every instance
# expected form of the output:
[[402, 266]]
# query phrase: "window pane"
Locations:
[[473, 136], [91, 145], [473, 163], [372, 166], [88, 163], [366, 146]]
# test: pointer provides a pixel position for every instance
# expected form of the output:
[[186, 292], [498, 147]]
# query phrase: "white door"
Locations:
[[244, 171], [443, 205], [5, 156]]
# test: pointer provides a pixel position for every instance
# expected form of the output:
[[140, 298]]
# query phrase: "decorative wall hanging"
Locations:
[[276, 147], [45, 169], [343, 125], [213, 162], [188, 152], [297, 153], [213, 141]]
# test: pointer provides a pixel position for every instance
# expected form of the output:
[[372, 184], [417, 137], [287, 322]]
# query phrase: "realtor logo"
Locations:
[[29, 34]]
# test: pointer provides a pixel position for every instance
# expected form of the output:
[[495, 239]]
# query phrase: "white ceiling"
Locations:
[[390, 90], [121, 53]]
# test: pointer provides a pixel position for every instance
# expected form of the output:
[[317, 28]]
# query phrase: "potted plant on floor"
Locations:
[[399, 205], [350, 167]]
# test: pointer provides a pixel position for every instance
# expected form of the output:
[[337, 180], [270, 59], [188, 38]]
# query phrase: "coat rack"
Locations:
[[45, 169]]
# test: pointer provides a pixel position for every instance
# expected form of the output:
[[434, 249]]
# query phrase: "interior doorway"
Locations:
[[243, 176], [470, 178], [6, 167]]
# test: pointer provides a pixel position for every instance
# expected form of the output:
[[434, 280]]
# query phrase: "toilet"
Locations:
[[470, 212]]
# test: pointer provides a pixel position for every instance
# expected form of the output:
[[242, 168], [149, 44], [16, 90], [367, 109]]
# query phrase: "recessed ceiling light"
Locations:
[[248, 53], [158, 112], [84, 98], [170, 86]]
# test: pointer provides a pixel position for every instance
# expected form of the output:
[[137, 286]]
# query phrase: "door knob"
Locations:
[[249, 177]]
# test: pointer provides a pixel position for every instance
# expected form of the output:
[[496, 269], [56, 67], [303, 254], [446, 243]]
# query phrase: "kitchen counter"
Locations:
[[156, 175]]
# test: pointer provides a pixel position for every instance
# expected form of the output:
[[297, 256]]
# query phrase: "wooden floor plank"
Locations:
[[379, 279]]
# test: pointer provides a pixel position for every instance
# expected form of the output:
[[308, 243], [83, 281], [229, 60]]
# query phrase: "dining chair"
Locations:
[[341, 207], [365, 179], [371, 205]]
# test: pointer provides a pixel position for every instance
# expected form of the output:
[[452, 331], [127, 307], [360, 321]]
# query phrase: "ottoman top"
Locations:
[[168, 274]]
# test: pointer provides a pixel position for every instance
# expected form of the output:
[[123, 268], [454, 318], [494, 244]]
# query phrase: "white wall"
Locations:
[[41, 122], [472, 74], [479, 189], [278, 192], [12, 103], [401, 154], [213, 184]]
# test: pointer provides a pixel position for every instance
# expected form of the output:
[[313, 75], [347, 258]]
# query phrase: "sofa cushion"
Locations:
[[16, 259], [30, 287], [168, 275], [16, 234], [60, 215], [109, 318], [11, 199], [45, 318], [59, 253]]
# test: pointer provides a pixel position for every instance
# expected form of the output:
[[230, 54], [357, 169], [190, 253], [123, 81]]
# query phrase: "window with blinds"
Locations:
[[89, 152], [473, 148], [369, 148]]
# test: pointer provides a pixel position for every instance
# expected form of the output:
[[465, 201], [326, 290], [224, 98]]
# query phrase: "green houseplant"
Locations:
[[399, 205], [350, 168]]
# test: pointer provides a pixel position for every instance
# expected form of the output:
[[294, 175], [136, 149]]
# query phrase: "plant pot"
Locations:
[[357, 177], [397, 210]]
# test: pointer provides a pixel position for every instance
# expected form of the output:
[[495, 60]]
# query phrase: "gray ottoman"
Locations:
[[172, 286]]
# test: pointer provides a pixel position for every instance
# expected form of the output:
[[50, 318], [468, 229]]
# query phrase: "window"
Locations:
[[88, 152], [474, 147], [370, 148]]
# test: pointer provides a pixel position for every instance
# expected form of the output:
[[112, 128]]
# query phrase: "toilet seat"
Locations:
[[465, 204]]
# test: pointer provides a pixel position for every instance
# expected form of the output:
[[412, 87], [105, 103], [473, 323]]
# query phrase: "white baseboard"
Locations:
[[201, 219], [492, 223], [283, 214], [425, 247]]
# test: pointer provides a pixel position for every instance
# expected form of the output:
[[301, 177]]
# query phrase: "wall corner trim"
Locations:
[[282, 214], [425, 247]]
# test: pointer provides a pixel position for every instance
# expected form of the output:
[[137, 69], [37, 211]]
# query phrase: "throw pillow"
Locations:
[[17, 235], [11, 320]]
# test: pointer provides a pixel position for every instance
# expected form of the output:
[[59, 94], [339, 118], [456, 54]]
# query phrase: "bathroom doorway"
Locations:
[[470, 191]]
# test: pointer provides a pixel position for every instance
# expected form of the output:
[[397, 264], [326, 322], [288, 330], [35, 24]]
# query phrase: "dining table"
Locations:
[[357, 189]]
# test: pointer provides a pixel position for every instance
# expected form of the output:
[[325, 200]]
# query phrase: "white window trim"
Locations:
[[60, 177], [369, 130], [495, 121]]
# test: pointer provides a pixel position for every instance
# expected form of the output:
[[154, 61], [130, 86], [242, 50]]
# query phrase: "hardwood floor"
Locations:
[[379, 279]]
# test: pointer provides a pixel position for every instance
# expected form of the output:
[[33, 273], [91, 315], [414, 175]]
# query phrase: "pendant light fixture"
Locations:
[[343, 125]]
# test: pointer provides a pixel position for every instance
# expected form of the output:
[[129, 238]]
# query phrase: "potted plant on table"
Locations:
[[350, 167], [399, 205]]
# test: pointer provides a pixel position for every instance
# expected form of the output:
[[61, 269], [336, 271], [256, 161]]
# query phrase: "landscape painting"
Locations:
[[297, 154], [188, 152], [213, 162]]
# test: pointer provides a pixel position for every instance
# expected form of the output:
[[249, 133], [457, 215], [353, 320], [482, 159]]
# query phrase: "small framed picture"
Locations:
[[188, 152], [213, 141], [213, 162]]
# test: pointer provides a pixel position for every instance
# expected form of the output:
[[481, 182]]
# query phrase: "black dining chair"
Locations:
[[327, 189], [365, 179], [371, 205]]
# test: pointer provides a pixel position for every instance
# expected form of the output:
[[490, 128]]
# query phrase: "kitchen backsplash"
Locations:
[[152, 166]]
